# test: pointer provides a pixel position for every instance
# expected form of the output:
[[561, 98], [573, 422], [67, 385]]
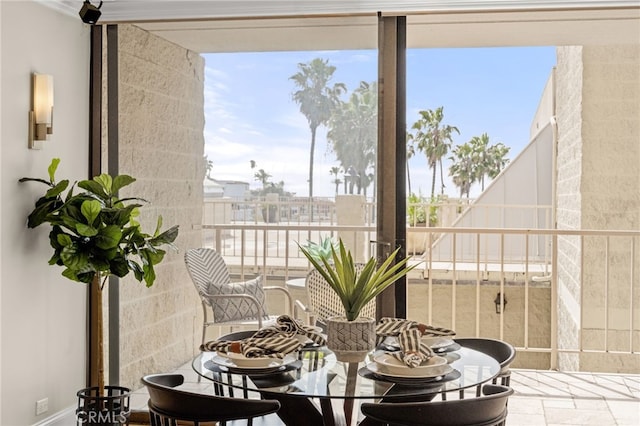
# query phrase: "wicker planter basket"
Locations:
[[351, 340]]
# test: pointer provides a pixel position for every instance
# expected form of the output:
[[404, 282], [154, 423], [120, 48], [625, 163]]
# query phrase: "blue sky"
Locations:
[[249, 113]]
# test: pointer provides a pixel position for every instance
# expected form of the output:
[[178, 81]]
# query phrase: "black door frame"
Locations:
[[391, 194]]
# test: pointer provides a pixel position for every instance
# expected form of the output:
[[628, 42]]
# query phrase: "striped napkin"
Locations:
[[253, 347], [393, 326], [413, 352], [287, 326], [274, 341]]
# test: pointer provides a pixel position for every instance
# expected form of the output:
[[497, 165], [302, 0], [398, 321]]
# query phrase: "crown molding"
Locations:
[[134, 11]]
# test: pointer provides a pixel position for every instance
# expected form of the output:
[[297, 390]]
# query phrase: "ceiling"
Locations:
[[258, 25]]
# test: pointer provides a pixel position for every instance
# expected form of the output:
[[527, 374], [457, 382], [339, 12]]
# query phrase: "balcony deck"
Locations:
[[540, 398]]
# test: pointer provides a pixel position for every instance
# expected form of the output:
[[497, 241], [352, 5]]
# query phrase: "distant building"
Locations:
[[234, 189], [212, 189]]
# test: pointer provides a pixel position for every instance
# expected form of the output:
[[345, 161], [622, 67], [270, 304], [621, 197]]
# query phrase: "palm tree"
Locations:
[[208, 164], [433, 139], [335, 170], [480, 145], [463, 168], [353, 133], [489, 159], [262, 177], [497, 154], [316, 99], [411, 151]]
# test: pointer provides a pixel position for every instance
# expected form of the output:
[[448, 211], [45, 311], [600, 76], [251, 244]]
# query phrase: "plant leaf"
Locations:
[[120, 182], [26, 179], [74, 258], [86, 230], [52, 169], [167, 237], [158, 226], [149, 275], [108, 237], [137, 270], [90, 210], [71, 274], [94, 187], [119, 267], [64, 240], [105, 182], [58, 189], [40, 214], [120, 216]]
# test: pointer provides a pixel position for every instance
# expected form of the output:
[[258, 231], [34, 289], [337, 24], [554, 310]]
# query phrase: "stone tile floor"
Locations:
[[540, 398], [574, 398]]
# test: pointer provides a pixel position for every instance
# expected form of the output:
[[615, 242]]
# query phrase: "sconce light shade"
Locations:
[[41, 114]]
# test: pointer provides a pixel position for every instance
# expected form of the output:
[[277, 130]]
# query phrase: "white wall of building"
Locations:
[[525, 187], [43, 319]]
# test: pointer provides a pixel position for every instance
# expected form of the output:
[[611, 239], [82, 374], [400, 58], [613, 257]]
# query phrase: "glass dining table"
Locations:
[[315, 388]]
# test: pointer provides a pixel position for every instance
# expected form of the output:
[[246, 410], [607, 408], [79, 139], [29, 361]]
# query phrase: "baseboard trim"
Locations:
[[65, 417]]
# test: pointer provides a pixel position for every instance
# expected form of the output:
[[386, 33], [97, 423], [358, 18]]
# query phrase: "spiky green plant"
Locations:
[[321, 250], [356, 290]]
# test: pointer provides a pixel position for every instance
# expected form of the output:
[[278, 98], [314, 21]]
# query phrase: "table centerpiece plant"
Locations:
[[323, 249], [351, 332], [95, 235]]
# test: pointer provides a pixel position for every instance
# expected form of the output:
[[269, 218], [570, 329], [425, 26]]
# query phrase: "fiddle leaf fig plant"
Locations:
[[94, 235], [94, 232], [356, 290]]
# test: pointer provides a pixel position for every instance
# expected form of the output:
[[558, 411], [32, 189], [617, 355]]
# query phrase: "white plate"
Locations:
[[437, 343], [307, 342], [379, 370], [236, 360], [434, 366]]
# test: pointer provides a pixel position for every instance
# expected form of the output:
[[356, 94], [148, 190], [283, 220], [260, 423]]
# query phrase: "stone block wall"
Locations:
[[569, 173], [598, 113], [161, 144], [610, 199]]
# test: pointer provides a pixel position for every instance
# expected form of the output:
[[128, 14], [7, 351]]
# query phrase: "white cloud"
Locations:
[[249, 113]]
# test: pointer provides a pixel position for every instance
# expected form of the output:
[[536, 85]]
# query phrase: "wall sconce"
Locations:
[[41, 114], [500, 307]]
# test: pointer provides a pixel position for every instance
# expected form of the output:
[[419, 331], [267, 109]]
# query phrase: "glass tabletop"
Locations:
[[316, 373]]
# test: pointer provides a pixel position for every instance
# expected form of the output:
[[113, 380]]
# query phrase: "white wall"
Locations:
[[42, 322]]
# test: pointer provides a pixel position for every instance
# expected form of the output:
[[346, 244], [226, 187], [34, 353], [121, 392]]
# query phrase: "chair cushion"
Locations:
[[225, 310]]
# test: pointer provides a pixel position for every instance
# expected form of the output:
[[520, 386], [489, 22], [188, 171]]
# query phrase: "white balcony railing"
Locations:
[[569, 293]]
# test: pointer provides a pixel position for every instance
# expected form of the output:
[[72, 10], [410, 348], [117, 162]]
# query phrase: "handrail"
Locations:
[[606, 305]]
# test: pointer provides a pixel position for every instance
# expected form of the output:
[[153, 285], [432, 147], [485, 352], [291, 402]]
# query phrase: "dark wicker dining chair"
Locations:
[[487, 410], [168, 405], [501, 351]]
